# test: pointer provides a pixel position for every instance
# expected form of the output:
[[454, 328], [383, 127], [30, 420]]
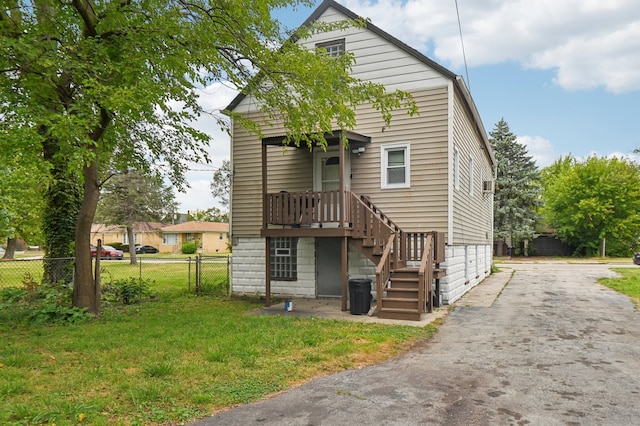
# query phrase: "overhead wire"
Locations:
[[464, 56]]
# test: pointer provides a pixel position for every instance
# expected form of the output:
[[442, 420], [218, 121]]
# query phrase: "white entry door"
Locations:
[[326, 170]]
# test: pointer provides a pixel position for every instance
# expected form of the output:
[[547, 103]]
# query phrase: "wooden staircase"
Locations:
[[402, 292], [401, 298]]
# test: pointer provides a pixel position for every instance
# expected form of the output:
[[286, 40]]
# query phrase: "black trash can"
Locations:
[[360, 296]]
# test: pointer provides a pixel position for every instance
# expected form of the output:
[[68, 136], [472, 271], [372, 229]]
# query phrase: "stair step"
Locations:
[[404, 284], [400, 314], [406, 293], [400, 303]]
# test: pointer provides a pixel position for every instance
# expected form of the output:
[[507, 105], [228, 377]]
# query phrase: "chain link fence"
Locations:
[[201, 274]]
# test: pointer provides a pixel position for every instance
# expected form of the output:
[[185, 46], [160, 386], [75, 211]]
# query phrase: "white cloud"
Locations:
[[198, 196], [540, 149], [621, 155], [588, 43]]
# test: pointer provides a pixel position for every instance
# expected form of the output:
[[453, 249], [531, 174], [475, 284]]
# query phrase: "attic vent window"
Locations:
[[333, 48]]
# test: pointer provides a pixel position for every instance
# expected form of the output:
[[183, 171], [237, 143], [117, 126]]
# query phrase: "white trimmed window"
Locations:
[[125, 238], [284, 258], [395, 166], [170, 239], [456, 168], [471, 171]]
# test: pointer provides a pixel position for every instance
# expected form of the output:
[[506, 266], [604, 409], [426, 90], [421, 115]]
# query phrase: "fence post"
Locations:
[[228, 275], [189, 274], [198, 272]]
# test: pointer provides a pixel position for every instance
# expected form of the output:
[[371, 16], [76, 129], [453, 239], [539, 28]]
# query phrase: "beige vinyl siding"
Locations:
[[376, 60], [290, 169], [472, 214], [422, 206]]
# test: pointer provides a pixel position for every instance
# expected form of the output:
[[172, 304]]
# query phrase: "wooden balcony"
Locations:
[[307, 214]]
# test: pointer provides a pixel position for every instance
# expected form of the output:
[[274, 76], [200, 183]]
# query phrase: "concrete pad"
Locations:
[[482, 295]]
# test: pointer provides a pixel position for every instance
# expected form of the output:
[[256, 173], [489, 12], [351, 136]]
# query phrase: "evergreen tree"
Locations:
[[517, 189]]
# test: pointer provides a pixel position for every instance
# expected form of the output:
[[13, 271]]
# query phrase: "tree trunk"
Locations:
[[10, 252], [59, 217], [132, 245], [85, 292]]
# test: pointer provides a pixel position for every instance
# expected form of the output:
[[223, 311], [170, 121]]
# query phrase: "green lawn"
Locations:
[[167, 275], [628, 283], [175, 359]]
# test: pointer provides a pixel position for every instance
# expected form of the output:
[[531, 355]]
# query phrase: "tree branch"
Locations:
[[85, 9]]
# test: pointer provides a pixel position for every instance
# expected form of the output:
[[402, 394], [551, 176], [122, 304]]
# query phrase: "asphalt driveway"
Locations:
[[554, 348]]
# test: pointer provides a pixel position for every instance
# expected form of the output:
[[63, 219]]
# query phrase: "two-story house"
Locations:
[[409, 206]]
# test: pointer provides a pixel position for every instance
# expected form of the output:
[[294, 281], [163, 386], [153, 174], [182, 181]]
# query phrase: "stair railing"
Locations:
[[383, 270], [425, 276], [401, 239]]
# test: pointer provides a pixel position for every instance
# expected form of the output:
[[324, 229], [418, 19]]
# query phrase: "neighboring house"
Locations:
[[144, 233], [210, 237], [409, 207]]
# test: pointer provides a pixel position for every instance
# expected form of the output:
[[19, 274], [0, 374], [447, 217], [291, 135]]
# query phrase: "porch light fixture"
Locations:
[[358, 151]]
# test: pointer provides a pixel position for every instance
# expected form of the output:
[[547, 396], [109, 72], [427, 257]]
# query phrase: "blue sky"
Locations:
[[564, 74]]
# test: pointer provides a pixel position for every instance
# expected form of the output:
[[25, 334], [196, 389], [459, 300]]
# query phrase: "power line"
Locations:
[[464, 56]]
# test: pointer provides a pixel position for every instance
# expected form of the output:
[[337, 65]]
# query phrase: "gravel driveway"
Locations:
[[555, 348]]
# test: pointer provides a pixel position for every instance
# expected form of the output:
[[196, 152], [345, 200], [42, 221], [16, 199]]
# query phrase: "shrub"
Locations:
[[127, 291], [189, 248], [39, 304]]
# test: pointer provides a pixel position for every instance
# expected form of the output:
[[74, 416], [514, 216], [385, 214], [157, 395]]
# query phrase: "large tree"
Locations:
[[104, 83], [133, 197], [594, 200], [21, 199], [517, 187]]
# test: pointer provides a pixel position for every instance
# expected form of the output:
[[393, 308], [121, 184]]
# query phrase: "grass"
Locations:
[[175, 359], [628, 283]]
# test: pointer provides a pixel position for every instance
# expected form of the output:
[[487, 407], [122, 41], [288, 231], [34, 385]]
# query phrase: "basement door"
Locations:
[[329, 267]]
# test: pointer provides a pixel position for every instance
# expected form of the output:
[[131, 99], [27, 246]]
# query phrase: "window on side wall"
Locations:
[[125, 238], [471, 171], [284, 258], [456, 168], [395, 166], [332, 48]]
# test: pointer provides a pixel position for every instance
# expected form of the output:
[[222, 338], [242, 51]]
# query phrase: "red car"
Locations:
[[108, 252]]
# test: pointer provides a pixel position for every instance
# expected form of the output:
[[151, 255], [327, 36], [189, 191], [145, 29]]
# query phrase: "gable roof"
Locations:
[[194, 226], [457, 80]]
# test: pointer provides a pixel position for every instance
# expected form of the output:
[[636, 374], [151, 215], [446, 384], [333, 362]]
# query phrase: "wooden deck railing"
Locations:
[[303, 208]]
